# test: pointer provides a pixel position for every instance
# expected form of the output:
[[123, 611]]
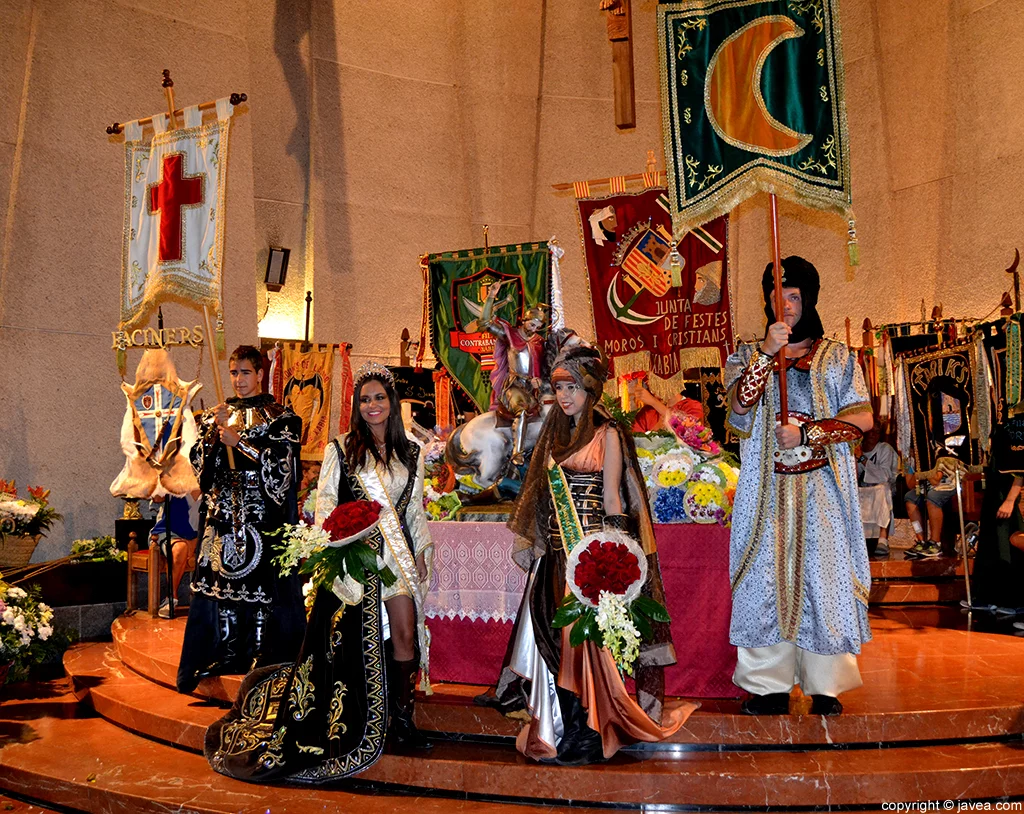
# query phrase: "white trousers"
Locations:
[[764, 670]]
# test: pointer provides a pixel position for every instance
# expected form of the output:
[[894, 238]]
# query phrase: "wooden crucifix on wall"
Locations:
[[620, 35]]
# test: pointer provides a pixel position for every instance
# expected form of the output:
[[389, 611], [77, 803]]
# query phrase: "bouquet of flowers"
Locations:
[[440, 498], [694, 434], [97, 549], [331, 553], [605, 573], [25, 517], [25, 630], [674, 468], [308, 510], [707, 503]]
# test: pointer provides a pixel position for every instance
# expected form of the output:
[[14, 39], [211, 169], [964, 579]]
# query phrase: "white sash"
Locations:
[[390, 529]]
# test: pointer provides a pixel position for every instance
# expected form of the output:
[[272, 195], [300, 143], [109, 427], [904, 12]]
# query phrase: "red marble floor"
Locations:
[[945, 700], [926, 677]]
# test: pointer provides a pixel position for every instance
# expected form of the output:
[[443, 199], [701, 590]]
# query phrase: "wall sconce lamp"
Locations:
[[277, 268]]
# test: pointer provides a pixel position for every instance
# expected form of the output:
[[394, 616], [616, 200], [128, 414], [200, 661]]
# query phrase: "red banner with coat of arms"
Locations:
[[642, 321]]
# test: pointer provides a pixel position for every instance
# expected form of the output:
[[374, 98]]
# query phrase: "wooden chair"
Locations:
[[151, 561]]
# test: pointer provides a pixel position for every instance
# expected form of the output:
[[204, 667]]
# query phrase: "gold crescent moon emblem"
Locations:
[[732, 93]]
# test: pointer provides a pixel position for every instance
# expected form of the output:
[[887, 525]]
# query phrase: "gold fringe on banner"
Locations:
[[665, 389], [699, 357]]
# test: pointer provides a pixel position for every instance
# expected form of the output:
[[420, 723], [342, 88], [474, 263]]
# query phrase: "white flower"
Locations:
[[19, 623], [16, 593], [8, 616], [620, 634], [44, 632]]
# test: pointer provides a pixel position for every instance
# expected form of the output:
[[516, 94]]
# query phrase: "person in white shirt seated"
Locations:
[[876, 473]]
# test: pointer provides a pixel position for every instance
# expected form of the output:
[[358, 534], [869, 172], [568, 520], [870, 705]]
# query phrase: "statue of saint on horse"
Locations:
[[489, 451]]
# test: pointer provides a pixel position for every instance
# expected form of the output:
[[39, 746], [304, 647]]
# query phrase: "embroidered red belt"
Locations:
[[804, 458]]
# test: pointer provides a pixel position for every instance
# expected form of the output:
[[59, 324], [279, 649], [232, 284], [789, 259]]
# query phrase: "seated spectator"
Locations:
[[183, 541], [876, 474], [925, 505]]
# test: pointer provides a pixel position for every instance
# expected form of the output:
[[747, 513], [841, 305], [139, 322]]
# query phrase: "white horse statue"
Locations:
[[479, 450]]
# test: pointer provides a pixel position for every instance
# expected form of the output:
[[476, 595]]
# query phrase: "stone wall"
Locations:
[[379, 131]]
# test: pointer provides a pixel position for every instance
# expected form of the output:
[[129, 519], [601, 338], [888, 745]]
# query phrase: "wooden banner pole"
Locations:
[[777, 274], [211, 343]]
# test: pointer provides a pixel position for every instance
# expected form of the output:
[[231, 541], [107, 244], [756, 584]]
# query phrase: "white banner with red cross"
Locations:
[[174, 213]]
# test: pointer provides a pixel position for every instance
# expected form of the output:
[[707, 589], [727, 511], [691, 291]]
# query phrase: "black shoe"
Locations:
[[585, 749], [774, 703], [825, 705], [492, 701]]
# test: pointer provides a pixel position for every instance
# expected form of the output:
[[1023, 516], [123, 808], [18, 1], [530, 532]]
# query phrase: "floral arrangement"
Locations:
[[692, 433], [25, 517], [670, 505], [331, 552], [676, 470], [308, 510], [706, 503], [440, 498], [605, 573], [26, 632], [98, 549]]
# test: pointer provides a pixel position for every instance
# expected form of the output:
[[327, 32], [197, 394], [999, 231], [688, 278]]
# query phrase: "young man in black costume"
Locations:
[[242, 613]]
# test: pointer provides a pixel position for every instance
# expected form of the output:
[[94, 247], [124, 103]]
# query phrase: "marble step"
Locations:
[[823, 777], [899, 567], [132, 701], [92, 765], [921, 682], [899, 707], [916, 592]]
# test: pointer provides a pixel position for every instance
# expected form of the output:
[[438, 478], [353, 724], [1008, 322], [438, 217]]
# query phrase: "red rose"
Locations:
[[350, 518], [606, 566]]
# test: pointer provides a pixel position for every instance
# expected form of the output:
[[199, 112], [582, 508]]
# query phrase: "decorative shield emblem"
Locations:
[[468, 297]]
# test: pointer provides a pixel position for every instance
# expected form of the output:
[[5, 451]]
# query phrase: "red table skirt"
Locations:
[[695, 568]]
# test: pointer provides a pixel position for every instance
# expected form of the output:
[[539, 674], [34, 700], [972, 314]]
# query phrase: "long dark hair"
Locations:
[[360, 443]]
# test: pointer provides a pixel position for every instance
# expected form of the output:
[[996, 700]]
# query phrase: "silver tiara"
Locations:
[[375, 369]]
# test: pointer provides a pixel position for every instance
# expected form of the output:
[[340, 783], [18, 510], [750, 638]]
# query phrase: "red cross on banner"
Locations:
[[175, 191]]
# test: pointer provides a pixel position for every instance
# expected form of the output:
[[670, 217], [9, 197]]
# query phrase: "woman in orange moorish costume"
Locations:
[[580, 710]]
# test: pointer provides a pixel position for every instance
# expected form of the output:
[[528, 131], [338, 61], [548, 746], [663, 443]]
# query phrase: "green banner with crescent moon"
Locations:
[[752, 101]]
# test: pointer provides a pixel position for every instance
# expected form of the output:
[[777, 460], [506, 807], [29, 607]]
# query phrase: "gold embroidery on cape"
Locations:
[[335, 727], [372, 743], [334, 641], [301, 697], [256, 724], [274, 754], [309, 750]]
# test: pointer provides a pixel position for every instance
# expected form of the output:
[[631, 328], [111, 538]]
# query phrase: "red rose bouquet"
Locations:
[[351, 520], [333, 551], [605, 574]]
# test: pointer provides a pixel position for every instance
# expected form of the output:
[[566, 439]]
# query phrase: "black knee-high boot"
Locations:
[[402, 731], [580, 744]]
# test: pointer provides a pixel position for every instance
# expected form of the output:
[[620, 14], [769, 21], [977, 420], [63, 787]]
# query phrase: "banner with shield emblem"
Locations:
[[456, 288], [643, 319]]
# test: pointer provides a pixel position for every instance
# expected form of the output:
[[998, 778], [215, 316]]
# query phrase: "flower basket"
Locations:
[[16, 550]]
